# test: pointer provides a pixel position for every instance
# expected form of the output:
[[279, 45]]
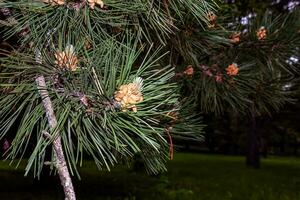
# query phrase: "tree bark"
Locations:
[[60, 161]]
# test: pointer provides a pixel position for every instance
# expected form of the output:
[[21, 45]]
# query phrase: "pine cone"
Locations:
[[130, 94], [261, 33], [232, 70], [236, 37], [93, 3], [66, 59], [189, 70], [212, 18]]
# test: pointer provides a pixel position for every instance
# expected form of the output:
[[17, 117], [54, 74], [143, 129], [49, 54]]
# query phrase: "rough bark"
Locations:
[[60, 161]]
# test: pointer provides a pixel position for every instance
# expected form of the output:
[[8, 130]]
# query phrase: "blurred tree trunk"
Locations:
[[252, 155]]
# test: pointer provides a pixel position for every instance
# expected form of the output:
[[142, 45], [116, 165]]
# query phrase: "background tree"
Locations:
[[249, 73]]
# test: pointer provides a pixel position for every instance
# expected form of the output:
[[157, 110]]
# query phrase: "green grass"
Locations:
[[190, 176]]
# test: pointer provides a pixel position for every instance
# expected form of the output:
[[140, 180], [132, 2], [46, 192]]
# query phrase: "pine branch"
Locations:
[[60, 164]]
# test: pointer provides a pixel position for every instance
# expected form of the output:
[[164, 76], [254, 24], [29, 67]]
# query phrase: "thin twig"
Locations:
[[60, 163], [171, 149]]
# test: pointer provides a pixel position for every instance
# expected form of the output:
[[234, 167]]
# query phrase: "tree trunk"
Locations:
[[253, 157], [60, 161]]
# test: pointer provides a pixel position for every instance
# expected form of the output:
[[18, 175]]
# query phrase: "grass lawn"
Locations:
[[190, 176]]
